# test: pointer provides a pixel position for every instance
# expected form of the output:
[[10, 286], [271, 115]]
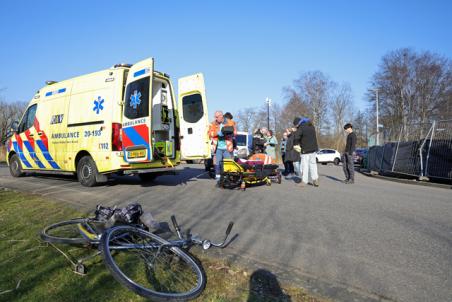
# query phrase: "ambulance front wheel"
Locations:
[[15, 167], [87, 171]]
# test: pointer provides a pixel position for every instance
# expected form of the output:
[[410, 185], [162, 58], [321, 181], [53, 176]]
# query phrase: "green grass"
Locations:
[[34, 271]]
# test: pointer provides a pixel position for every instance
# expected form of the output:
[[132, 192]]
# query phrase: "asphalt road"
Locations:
[[375, 240]]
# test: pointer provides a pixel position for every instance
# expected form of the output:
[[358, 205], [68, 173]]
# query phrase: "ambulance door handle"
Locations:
[[31, 135], [40, 133]]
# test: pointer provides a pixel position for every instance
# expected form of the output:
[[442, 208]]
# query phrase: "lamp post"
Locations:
[[268, 101], [378, 126]]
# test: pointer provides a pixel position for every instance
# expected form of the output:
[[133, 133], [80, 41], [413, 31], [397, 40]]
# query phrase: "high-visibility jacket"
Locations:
[[213, 135]]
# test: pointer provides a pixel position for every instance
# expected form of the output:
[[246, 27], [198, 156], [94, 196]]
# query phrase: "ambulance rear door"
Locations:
[[193, 118], [136, 124]]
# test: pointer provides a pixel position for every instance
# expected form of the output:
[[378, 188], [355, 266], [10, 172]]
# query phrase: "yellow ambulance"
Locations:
[[122, 120]]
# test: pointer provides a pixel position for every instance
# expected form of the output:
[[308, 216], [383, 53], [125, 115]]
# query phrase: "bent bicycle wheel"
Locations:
[[80, 231], [150, 266]]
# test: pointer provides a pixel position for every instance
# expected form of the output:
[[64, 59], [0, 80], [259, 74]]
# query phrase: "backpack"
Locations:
[[128, 215]]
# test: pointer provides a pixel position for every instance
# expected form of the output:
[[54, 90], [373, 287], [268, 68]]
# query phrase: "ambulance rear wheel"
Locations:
[[15, 167], [87, 171]]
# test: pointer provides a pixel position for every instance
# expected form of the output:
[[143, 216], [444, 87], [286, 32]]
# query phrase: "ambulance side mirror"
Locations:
[[12, 128]]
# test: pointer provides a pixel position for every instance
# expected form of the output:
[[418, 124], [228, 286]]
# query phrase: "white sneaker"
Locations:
[[217, 177]]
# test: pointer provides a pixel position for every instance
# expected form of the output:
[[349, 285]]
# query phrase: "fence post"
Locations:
[[422, 176], [397, 149], [429, 147]]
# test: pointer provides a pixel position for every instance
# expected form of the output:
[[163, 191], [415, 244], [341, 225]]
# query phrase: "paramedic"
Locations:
[[221, 144]]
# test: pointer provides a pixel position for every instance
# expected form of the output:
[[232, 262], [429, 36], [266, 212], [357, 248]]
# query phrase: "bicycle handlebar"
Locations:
[[206, 244]]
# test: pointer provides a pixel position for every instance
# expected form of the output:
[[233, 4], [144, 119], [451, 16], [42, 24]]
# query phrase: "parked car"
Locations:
[[359, 156], [325, 156], [244, 144]]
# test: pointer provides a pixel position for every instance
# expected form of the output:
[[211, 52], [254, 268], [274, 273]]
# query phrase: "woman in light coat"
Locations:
[[270, 145]]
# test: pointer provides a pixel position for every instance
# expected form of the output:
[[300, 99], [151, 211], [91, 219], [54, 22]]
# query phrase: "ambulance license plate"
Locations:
[[136, 154]]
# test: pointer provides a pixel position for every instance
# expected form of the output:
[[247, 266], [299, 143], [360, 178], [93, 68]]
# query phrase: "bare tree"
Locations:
[[246, 119], [294, 106], [414, 88], [341, 110], [9, 112], [314, 87]]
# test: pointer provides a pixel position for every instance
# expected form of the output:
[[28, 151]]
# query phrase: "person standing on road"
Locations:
[[228, 121], [282, 149], [347, 156], [270, 145], [222, 146], [292, 158], [306, 138]]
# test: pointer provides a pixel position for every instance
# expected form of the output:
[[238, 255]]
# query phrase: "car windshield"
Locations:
[[241, 140]]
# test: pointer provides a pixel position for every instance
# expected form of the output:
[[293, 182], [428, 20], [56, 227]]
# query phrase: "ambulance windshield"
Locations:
[[137, 99]]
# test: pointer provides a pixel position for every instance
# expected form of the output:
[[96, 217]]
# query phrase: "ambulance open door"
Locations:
[[136, 125], [193, 118]]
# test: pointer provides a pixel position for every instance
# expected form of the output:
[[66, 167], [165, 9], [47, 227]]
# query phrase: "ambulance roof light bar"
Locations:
[[122, 65]]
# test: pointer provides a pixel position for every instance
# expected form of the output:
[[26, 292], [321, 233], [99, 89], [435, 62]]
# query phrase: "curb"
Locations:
[[405, 180]]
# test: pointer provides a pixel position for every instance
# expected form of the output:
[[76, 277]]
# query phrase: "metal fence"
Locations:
[[423, 151]]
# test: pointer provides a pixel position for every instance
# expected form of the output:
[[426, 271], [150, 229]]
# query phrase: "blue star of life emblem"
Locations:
[[135, 100], [98, 105]]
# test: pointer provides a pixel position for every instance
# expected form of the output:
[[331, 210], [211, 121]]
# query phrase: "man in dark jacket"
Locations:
[[347, 156], [306, 138]]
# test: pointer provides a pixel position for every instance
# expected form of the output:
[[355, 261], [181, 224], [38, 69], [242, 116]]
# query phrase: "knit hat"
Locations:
[[296, 121], [304, 120]]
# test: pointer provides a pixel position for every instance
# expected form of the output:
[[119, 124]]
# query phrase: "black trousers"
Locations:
[[288, 165], [347, 165]]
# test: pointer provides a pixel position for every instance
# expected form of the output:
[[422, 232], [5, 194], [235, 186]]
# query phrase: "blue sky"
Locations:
[[247, 50]]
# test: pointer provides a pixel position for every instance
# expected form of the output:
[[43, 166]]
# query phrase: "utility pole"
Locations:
[[268, 101]]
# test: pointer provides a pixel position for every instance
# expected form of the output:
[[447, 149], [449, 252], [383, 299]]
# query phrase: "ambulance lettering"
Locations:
[[56, 119]]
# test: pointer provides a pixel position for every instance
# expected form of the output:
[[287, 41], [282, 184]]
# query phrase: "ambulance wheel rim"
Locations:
[[15, 166], [86, 171]]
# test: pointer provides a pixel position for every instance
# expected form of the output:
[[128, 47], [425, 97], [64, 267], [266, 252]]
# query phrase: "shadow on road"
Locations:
[[264, 286], [333, 178], [187, 174], [183, 176]]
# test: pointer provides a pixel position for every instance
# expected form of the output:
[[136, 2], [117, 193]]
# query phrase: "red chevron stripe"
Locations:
[[19, 141], [30, 139], [126, 142], [10, 144], [43, 136]]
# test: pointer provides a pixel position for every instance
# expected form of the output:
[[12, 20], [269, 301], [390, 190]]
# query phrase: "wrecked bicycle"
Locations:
[[137, 254]]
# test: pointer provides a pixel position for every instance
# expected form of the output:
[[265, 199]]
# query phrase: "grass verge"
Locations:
[[33, 271]]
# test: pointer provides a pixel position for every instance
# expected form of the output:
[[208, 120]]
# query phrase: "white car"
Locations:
[[325, 156]]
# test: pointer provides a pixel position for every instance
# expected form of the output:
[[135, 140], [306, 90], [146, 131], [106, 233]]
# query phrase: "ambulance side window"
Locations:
[[192, 108], [136, 102], [28, 119]]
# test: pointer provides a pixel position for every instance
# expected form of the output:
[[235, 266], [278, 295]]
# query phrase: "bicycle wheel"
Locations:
[[80, 231], [150, 266]]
